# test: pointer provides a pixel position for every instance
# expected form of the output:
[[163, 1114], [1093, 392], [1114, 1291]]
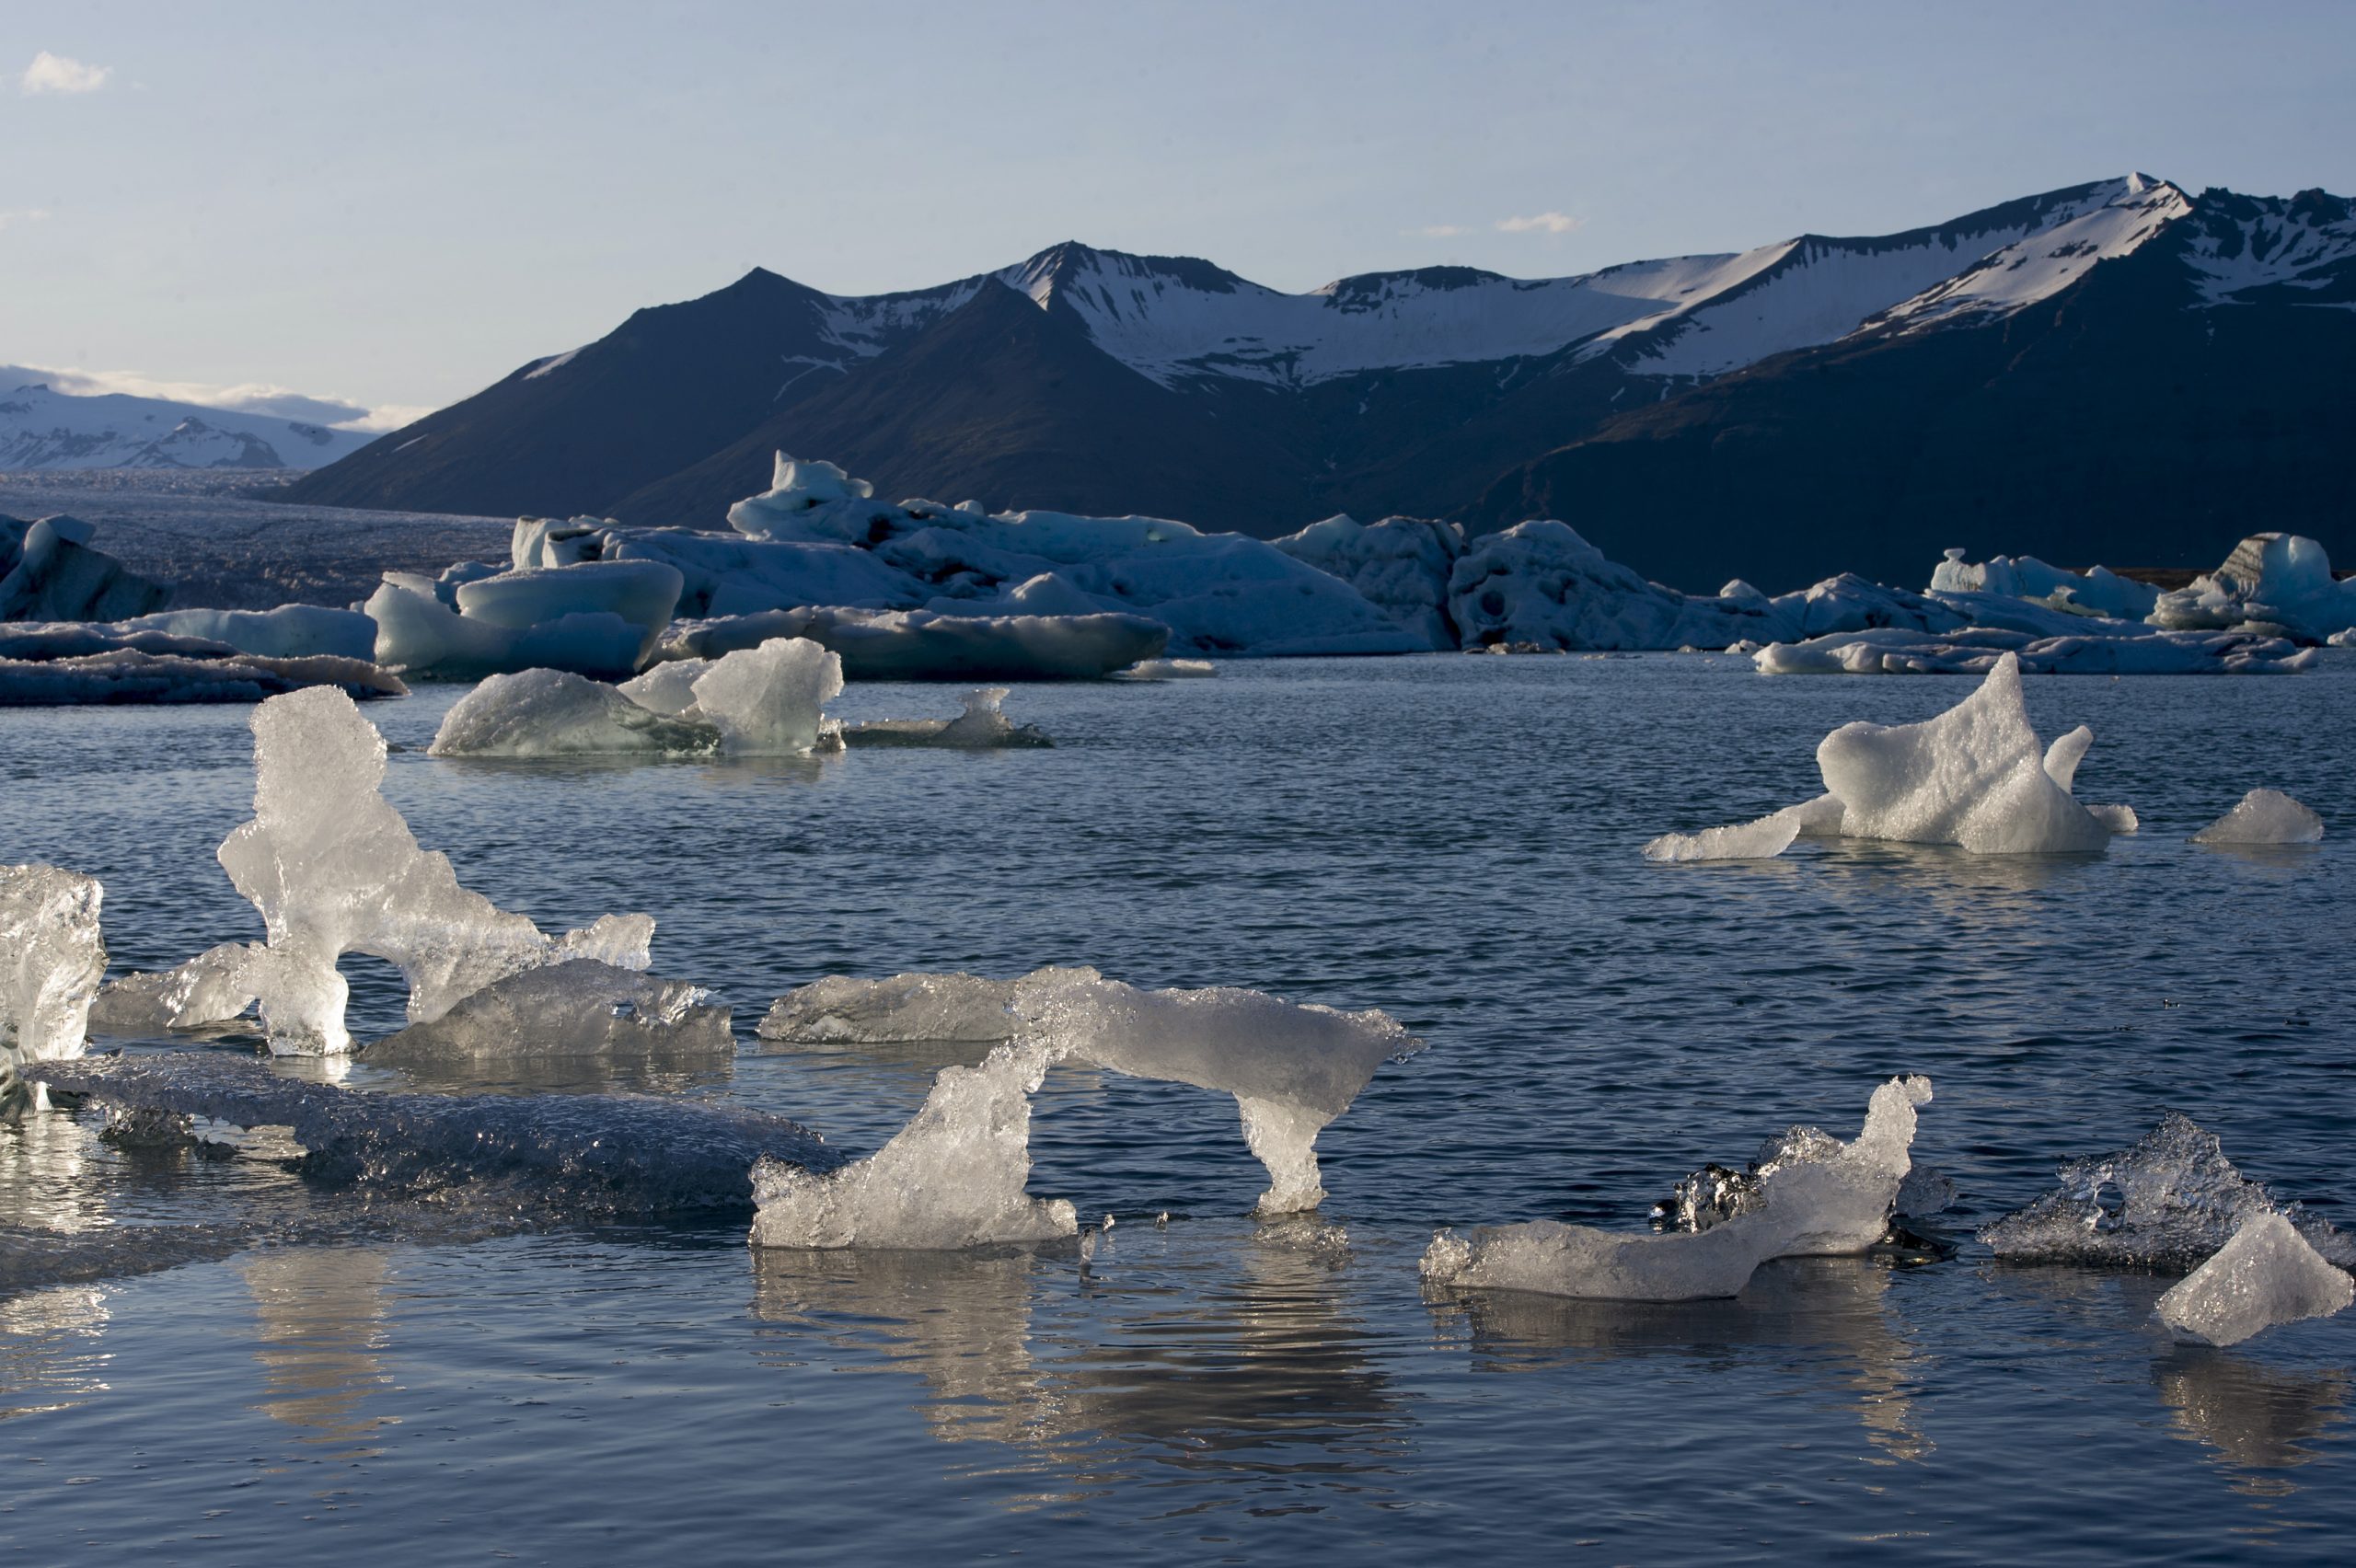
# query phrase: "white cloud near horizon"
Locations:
[[1439, 231], [249, 397], [1540, 223], [63, 74], [23, 216]]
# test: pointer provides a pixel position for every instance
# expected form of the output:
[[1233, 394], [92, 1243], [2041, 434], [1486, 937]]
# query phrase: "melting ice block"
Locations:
[[2264, 816], [578, 1008], [1293, 1068], [209, 988], [334, 869], [767, 700], [1821, 1197], [2167, 1203], [1768, 836], [50, 962], [982, 726], [763, 701], [2266, 1275], [570, 1155]]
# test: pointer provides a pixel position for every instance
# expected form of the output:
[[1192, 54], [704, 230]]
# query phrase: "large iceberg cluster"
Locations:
[[1975, 776], [954, 1176], [1823, 1197]]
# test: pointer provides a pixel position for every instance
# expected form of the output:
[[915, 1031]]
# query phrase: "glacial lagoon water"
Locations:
[[1453, 839]]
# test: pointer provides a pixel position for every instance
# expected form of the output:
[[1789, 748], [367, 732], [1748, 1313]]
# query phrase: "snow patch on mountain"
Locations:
[[2245, 243], [2042, 264], [42, 428]]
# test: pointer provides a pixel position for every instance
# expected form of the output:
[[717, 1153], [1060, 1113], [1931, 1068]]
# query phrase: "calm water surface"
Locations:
[[1453, 839]]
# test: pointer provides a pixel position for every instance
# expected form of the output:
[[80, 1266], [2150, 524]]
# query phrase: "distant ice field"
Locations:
[[1455, 840]]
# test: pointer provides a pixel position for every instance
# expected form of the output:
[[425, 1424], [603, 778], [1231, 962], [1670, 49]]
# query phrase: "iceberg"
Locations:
[[1168, 670], [2089, 647], [1820, 1197], [51, 960], [2264, 816], [2281, 582], [983, 725], [333, 868], [209, 988], [1763, 840], [2267, 1275], [954, 1176], [577, 1008], [219, 674], [2100, 592], [568, 1155], [913, 645], [767, 700], [2170, 1202], [1401, 565], [49, 571], [643, 592], [420, 636], [290, 632]]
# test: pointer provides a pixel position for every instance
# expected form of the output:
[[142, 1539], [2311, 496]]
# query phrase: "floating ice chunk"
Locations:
[[541, 713], [1291, 1068], [982, 725], [1816, 1196], [2167, 1203], [2266, 1275], [2120, 820], [334, 869], [50, 573], [2084, 648], [909, 1007], [2100, 592], [666, 687], [767, 700], [290, 632], [643, 592], [1974, 777], [420, 636], [212, 988], [74, 663], [883, 645], [953, 1177], [569, 1154], [2281, 581], [50, 962], [577, 1008], [1168, 670], [1764, 839], [2264, 816]]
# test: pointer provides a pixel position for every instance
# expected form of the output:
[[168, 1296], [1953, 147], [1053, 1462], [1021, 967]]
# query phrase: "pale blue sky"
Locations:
[[395, 204]]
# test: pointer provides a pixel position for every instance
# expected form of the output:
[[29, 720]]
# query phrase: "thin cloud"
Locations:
[[63, 74], [1439, 231], [12, 216], [1540, 223], [249, 397]]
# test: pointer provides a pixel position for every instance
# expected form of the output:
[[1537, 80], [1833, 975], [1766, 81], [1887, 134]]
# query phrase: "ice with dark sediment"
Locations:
[[2279, 581], [333, 868], [2264, 816], [572, 1154], [1975, 776], [954, 1176], [2170, 1202], [578, 1008], [1817, 1197], [924, 644], [982, 726], [51, 960], [2267, 1275]]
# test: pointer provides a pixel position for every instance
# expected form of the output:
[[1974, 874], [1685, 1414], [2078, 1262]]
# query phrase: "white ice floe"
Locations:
[[2100, 592], [1400, 564], [2267, 1275], [767, 700], [334, 869], [578, 1008], [290, 632], [51, 960], [50, 572], [982, 726], [2270, 581], [213, 675], [1168, 670], [954, 1176], [2087, 648], [418, 635], [2170, 1202], [1822, 1197], [1974, 777], [2264, 816]]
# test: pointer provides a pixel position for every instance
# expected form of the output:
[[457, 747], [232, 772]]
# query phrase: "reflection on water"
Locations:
[[655, 1072], [51, 1357], [2253, 1417], [321, 1333], [1828, 1316], [42, 1160], [1198, 1356]]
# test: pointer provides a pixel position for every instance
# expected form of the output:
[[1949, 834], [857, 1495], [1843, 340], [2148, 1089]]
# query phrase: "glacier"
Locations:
[[1824, 1198]]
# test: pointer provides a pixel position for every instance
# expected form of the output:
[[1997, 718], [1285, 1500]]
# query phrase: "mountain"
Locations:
[[2118, 370], [40, 428]]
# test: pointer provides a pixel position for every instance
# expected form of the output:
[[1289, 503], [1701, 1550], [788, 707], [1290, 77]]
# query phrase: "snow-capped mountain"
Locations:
[[41, 428], [1125, 379]]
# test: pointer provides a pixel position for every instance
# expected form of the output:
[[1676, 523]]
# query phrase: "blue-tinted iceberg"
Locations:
[[50, 571]]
